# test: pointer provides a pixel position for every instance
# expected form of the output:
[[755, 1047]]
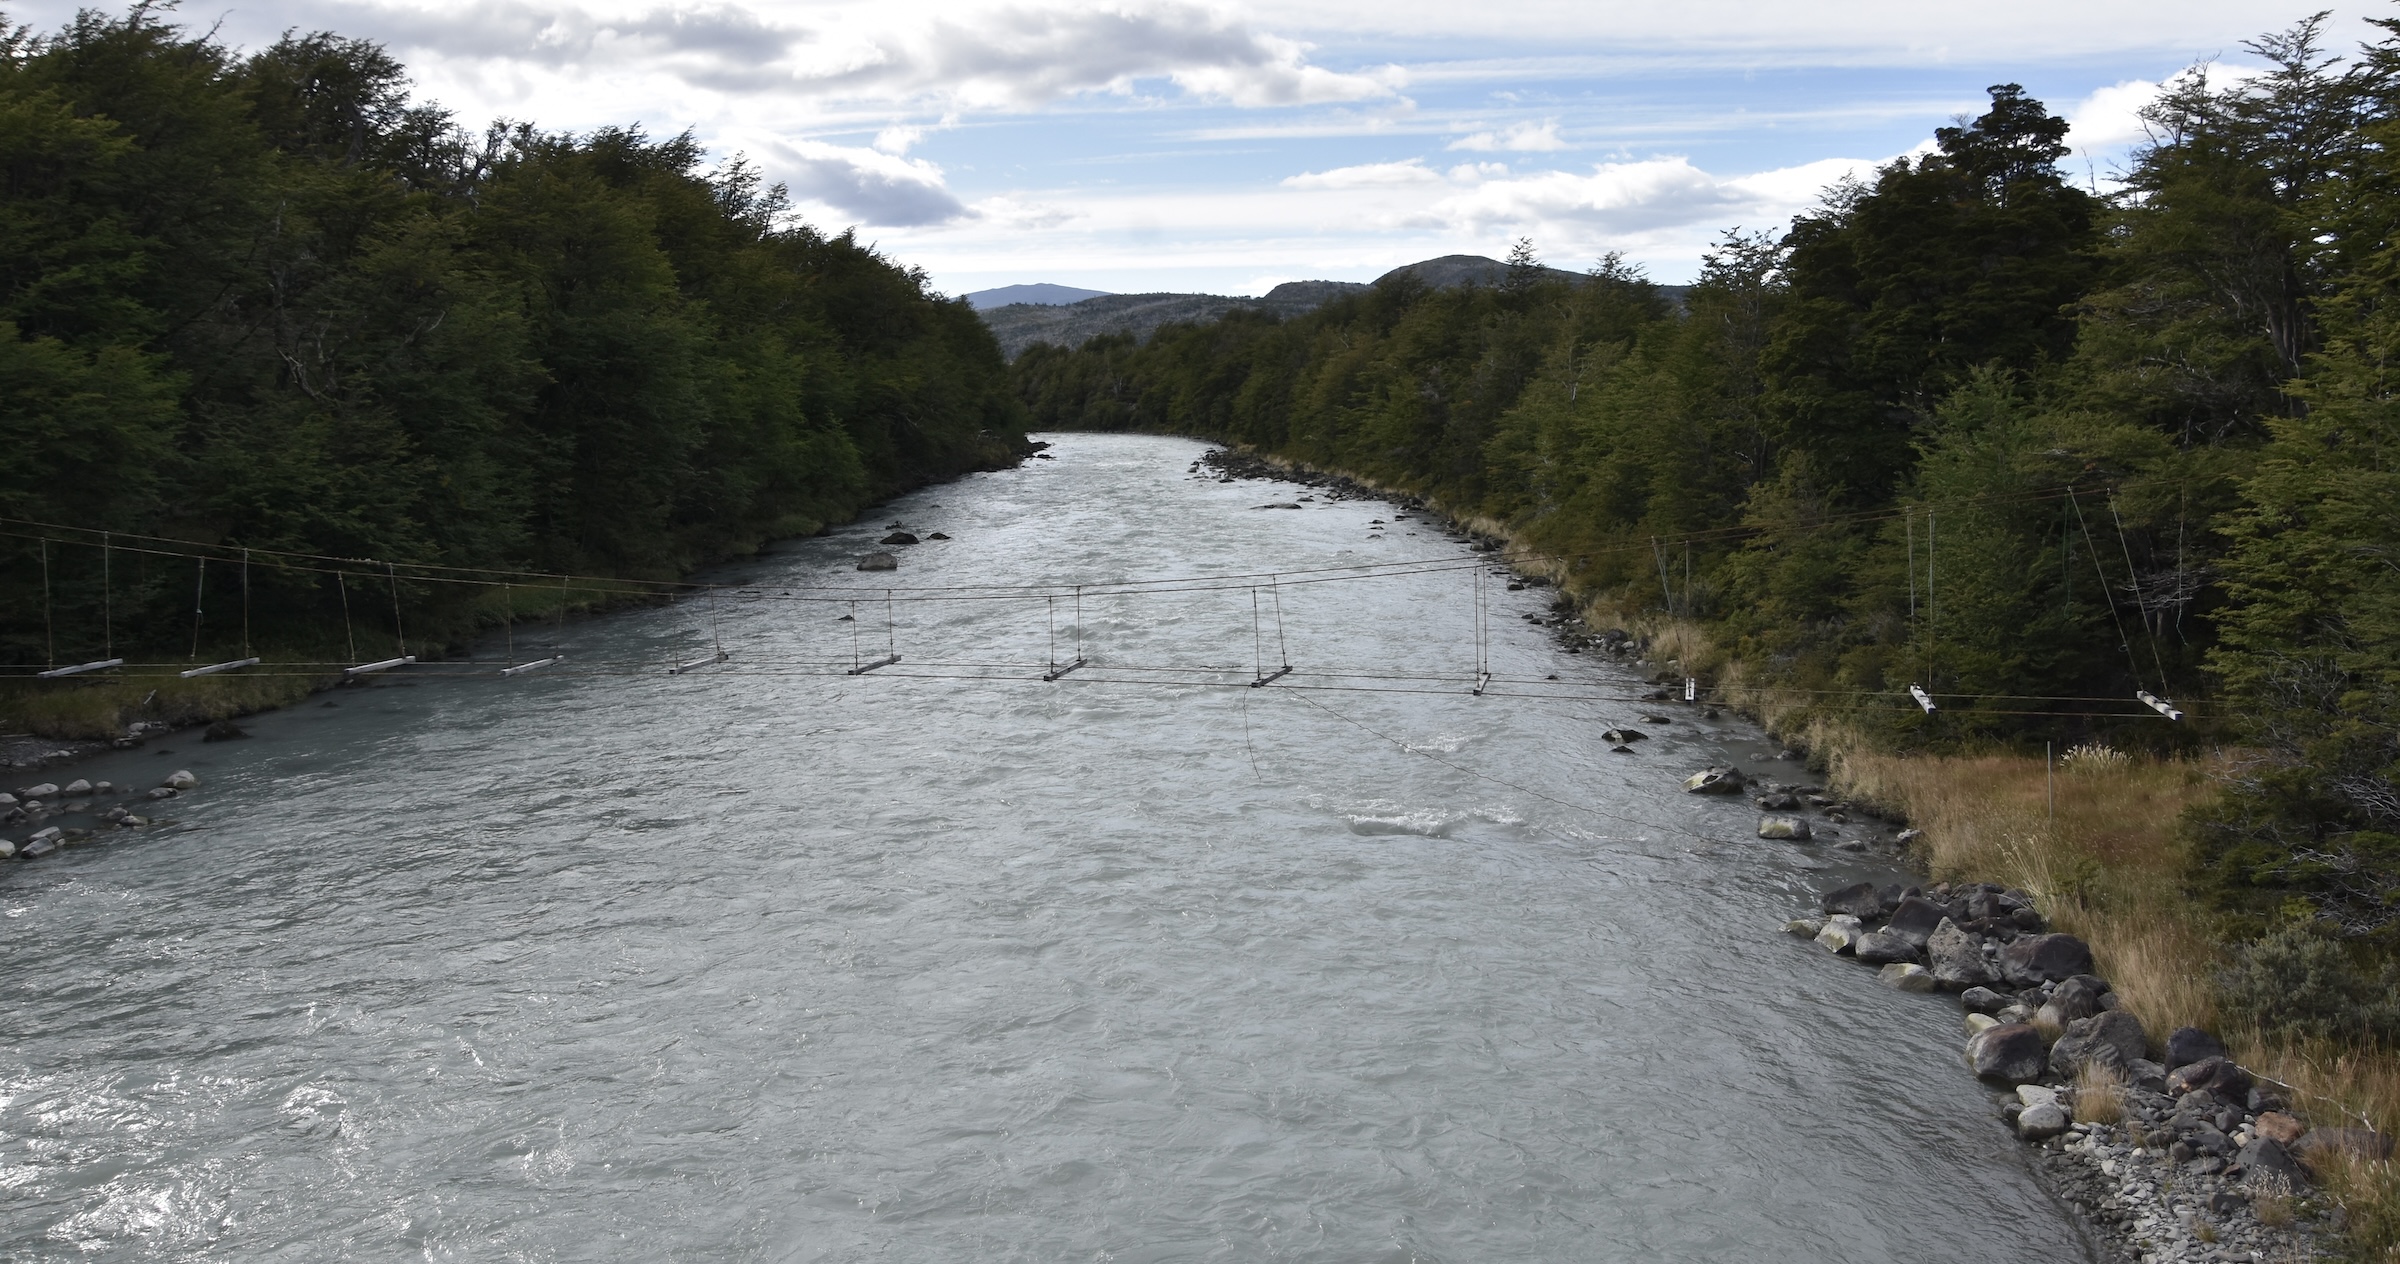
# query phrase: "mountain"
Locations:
[[1043, 294], [1020, 321]]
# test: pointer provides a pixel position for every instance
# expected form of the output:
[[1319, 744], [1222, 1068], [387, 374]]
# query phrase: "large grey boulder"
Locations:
[[181, 779], [1841, 933], [2078, 997], [2040, 1123], [1981, 1000], [2011, 1053], [1881, 947], [1717, 780], [1956, 959], [1858, 900], [1906, 977], [2113, 1040], [2269, 1168], [1788, 828], [76, 789], [2187, 1045], [2036, 959], [1915, 918], [46, 790]]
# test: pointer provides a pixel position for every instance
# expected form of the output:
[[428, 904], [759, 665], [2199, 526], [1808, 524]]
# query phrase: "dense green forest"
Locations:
[[1965, 426], [269, 302]]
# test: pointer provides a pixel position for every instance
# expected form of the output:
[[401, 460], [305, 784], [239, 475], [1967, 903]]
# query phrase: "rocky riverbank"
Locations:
[[38, 819], [2169, 1150]]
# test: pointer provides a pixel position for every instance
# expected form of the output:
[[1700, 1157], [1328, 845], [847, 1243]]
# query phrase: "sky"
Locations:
[[1167, 145]]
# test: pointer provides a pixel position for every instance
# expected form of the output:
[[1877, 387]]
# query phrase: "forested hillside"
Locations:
[[1966, 426], [268, 301]]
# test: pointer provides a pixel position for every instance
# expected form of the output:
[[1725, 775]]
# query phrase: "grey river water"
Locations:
[[768, 962]]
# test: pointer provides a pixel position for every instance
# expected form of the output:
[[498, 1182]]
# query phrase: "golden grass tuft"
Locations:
[[2099, 1095]]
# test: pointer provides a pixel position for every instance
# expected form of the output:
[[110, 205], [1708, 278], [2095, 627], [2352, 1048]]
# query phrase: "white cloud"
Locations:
[[1366, 176], [865, 185], [1525, 137]]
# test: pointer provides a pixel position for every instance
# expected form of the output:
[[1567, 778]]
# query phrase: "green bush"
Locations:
[[2299, 983]]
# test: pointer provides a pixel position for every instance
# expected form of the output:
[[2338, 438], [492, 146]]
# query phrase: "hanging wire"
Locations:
[[508, 612], [245, 603], [199, 586], [1281, 649], [2123, 638], [1078, 623], [715, 644], [854, 634], [891, 634], [49, 632], [2134, 582], [398, 632], [341, 584], [1258, 645], [108, 611]]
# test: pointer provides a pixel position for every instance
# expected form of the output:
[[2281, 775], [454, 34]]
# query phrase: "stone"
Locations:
[[1957, 961], [2187, 1045], [1804, 927], [2217, 1076], [7, 800], [1905, 976], [2278, 1127], [1858, 900], [2042, 958], [1840, 934], [937, 536], [1880, 947], [163, 792], [36, 848], [2011, 1052], [2040, 1123], [224, 731], [2036, 1095], [898, 537], [1788, 828], [2113, 1040], [1980, 1023], [2268, 1167], [1620, 737], [76, 788], [879, 562], [130, 821], [1907, 836], [181, 779], [48, 789], [1720, 779], [1983, 1000], [1914, 918], [2144, 1074], [2318, 1144], [2078, 997], [1777, 802]]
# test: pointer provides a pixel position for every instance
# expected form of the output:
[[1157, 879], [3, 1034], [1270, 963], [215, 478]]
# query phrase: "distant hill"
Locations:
[[1020, 322], [1042, 294]]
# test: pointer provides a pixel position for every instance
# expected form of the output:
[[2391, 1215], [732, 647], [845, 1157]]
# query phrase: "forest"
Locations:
[[1967, 426], [268, 303]]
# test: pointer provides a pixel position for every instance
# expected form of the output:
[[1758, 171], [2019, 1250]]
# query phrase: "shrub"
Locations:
[[2298, 983]]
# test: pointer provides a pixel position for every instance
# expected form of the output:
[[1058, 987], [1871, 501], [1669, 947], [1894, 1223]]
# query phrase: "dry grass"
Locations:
[[2099, 1095]]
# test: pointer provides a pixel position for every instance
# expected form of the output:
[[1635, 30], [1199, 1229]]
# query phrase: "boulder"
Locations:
[[76, 788], [898, 537], [1905, 976], [46, 790], [2217, 1076], [1980, 1023], [181, 779], [1804, 927], [7, 800], [1789, 828], [1914, 918], [2113, 1040], [1720, 779], [879, 562], [2036, 959], [163, 792], [1777, 802], [2268, 1167], [2078, 997], [1620, 737], [2187, 1045], [1880, 947], [2278, 1127], [36, 848], [1957, 961], [1859, 900], [2040, 1123], [2146, 1075], [1983, 1000], [1840, 934], [2012, 1053], [8, 850], [2036, 1095], [937, 536], [2319, 1144]]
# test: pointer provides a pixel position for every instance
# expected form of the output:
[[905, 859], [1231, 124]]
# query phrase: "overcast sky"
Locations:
[[1164, 145]]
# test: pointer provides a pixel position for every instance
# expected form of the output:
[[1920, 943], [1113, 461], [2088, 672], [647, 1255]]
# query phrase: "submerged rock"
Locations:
[[879, 562], [1841, 933], [1722, 779], [898, 537], [1620, 737]]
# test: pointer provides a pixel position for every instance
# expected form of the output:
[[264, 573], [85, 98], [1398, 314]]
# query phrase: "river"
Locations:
[[941, 962]]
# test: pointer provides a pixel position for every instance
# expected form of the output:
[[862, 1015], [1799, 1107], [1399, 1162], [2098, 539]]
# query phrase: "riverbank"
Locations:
[[2097, 849]]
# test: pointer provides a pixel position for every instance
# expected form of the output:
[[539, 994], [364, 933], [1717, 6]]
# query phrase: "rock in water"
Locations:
[[1716, 780], [898, 537], [2187, 1045], [2040, 1123], [224, 731], [2011, 1053], [2113, 1040], [1878, 947], [1778, 802], [879, 562], [2044, 958], [1840, 934], [1906, 976], [76, 788], [48, 789], [1791, 828], [181, 779], [1957, 961], [1619, 737], [1858, 900]]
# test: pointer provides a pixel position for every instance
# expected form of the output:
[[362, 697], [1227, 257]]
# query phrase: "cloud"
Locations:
[[877, 188], [1526, 137], [1639, 197], [1021, 57], [1367, 176], [562, 35]]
